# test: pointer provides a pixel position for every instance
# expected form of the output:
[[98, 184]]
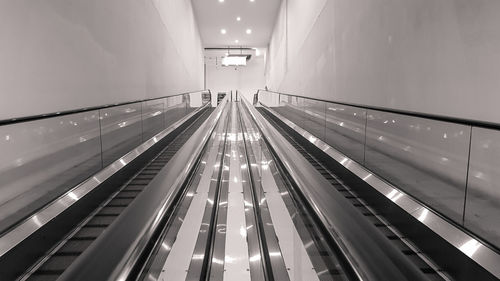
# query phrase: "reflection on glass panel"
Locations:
[[483, 189], [43, 159], [345, 130], [175, 109], [153, 119], [269, 99], [195, 100], [292, 108], [121, 130], [314, 117], [426, 158]]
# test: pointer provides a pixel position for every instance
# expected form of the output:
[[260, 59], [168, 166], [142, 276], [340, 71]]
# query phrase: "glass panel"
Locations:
[[482, 209], [269, 99], [153, 119], [175, 110], [121, 131], [43, 159], [426, 158], [345, 130], [292, 108], [314, 118]]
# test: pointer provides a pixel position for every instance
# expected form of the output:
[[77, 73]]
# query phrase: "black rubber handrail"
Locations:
[[462, 121], [84, 109]]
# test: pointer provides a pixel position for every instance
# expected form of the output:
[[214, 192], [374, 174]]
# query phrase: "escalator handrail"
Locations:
[[118, 251], [86, 109], [339, 216]]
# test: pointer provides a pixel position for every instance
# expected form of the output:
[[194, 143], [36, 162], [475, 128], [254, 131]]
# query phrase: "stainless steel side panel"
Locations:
[[482, 211], [43, 159], [345, 130], [121, 130], [153, 118], [426, 158]]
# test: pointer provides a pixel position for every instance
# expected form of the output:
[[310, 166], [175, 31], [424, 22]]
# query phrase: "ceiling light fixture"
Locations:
[[250, 0], [223, 31], [235, 60], [238, 18], [221, 1], [236, 41], [249, 31]]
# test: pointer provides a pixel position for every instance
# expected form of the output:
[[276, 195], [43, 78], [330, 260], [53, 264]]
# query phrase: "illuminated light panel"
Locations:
[[234, 60], [249, 31], [223, 31]]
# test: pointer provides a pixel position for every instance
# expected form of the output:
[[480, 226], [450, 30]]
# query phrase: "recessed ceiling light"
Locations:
[[236, 41], [250, 0], [220, 1], [223, 31], [249, 31], [238, 18]]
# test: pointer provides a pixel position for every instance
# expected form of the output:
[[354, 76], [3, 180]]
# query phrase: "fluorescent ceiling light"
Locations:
[[234, 60], [249, 31], [223, 31]]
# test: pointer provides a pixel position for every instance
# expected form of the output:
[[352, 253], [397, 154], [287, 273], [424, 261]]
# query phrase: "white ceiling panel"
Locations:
[[257, 15]]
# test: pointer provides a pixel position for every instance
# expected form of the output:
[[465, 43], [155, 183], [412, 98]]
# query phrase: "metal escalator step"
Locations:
[[140, 181], [101, 220], [112, 210], [43, 277], [127, 194], [144, 177], [56, 264], [120, 202], [133, 187], [89, 232], [74, 247]]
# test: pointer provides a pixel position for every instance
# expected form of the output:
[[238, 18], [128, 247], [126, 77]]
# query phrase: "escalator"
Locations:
[[51, 265]]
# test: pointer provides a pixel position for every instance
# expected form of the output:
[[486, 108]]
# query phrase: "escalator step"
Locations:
[[43, 277], [101, 221], [56, 264], [120, 202], [127, 194], [133, 187], [89, 232], [112, 210], [74, 246]]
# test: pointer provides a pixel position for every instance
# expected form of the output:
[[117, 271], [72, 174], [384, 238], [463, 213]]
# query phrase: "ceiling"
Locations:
[[257, 15]]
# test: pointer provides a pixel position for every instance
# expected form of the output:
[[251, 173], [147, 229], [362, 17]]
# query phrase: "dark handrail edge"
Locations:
[[84, 109], [444, 118]]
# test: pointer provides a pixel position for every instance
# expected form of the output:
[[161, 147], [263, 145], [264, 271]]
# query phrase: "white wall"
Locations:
[[65, 54], [440, 57], [246, 79]]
